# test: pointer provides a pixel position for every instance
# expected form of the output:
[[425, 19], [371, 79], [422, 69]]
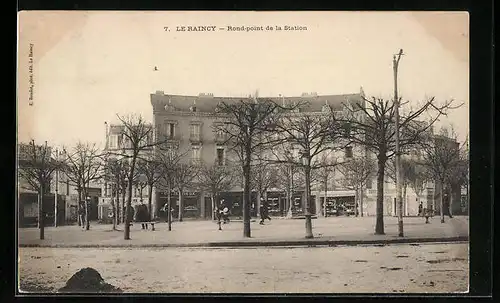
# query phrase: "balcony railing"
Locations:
[[220, 138], [195, 138], [169, 137]]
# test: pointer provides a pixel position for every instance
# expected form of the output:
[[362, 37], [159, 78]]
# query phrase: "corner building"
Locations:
[[188, 122]]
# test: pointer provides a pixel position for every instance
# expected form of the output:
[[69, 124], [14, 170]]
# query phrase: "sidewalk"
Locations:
[[327, 231]]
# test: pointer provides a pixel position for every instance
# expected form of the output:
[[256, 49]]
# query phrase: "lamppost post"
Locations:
[[56, 189], [398, 152], [307, 169]]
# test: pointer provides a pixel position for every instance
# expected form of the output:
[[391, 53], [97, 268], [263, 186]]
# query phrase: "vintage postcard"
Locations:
[[243, 152]]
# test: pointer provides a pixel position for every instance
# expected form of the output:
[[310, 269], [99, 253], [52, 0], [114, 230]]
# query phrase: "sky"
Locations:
[[89, 66]]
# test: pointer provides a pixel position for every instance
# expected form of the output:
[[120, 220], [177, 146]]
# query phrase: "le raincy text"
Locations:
[[30, 73]]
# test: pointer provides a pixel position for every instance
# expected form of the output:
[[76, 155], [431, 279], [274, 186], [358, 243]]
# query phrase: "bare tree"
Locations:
[[245, 124], [184, 175], [407, 172], [372, 125], [113, 175], [313, 134], [264, 175], [117, 170], [140, 182], [139, 139], [356, 172], [36, 167], [84, 164], [169, 158], [417, 179], [215, 179], [152, 170], [289, 170], [323, 174], [441, 157], [123, 186]]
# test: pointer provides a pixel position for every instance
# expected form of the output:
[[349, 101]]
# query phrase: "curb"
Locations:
[[249, 243]]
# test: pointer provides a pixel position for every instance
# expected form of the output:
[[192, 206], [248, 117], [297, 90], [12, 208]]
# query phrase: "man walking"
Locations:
[[264, 211]]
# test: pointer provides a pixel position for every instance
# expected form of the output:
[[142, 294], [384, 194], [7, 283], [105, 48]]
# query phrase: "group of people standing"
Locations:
[[425, 212], [222, 212]]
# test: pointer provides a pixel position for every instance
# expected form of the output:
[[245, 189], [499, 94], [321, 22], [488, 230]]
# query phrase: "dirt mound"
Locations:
[[88, 280]]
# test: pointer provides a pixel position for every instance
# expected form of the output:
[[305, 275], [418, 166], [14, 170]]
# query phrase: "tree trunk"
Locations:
[[150, 202], [257, 205], [87, 221], [324, 201], [169, 208], [379, 226], [41, 215], [356, 201], [287, 201], [128, 208], [405, 200], [246, 196], [361, 193], [117, 205], [113, 207], [290, 202], [309, 233], [441, 210], [213, 205], [181, 206], [124, 202], [450, 209], [78, 210]]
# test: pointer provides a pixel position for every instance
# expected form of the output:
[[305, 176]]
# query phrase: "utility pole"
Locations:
[[399, 198], [57, 190]]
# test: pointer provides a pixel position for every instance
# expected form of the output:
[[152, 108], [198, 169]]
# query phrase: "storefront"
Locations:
[[28, 209], [338, 203]]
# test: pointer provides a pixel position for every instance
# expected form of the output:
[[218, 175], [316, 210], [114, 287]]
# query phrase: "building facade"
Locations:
[[113, 190], [191, 122]]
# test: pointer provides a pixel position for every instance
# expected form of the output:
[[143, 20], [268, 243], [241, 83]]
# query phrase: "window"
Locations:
[[171, 130], [113, 141], [194, 131], [220, 156], [348, 152]]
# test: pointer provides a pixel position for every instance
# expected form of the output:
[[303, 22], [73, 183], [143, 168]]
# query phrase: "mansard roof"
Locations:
[[207, 102]]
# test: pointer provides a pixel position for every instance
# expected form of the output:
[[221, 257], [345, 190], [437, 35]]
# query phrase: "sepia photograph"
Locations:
[[222, 152]]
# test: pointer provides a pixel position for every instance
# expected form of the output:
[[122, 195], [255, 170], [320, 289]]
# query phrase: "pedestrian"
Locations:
[[264, 211], [224, 211], [141, 215], [218, 215], [81, 214], [420, 209]]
